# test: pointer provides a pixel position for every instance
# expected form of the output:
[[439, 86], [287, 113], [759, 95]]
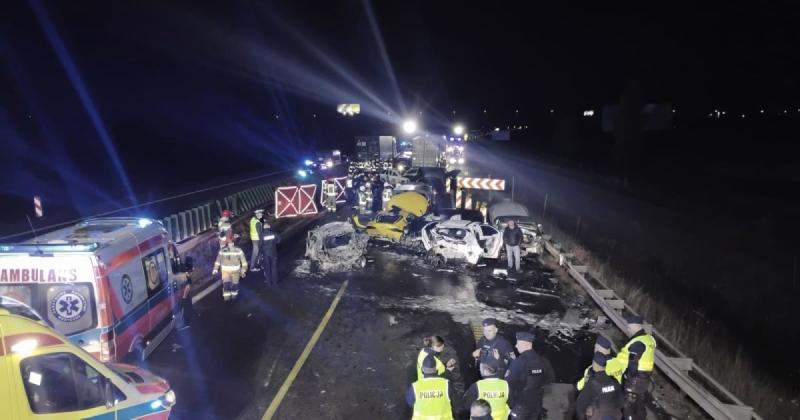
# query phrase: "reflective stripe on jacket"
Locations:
[[231, 258]]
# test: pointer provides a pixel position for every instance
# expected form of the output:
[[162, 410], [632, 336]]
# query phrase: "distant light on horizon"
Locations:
[[409, 126], [588, 113]]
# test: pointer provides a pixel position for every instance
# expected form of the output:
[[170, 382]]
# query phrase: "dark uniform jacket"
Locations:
[[269, 240], [526, 377], [503, 347], [603, 393], [512, 237]]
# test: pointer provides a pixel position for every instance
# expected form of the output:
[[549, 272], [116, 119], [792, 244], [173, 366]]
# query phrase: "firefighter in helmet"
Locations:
[[232, 265]]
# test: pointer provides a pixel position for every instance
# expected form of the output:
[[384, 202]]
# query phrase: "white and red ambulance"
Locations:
[[111, 285]]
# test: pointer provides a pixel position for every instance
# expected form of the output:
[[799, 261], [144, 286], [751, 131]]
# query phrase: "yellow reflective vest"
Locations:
[[616, 366], [254, 230], [439, 365], [495, 392], [432, 399]]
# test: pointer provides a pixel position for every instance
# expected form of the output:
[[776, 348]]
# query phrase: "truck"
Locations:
[[426, 151], [370, 148]]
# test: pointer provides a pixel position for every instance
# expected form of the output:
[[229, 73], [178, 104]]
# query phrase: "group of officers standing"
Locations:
[[231, 262], [613, 387]]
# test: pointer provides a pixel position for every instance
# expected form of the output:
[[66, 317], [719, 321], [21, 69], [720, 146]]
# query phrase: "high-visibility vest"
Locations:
[[495, 391], [432, 399], [616, 366], [439, 365], [254, 229], [582, 382]]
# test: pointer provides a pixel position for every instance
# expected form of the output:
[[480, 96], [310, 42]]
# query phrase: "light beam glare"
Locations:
[[83, 93], [387, 64]]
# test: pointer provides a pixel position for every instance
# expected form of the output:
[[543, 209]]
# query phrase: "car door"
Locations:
[[493, 241]]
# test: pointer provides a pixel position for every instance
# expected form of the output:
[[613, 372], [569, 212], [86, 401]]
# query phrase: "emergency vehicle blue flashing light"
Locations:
[[47, 248], [308, 162], [302, 173], [143, 223]]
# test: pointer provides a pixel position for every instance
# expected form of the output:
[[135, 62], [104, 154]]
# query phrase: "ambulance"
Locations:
[[111, 285], [44, 375]]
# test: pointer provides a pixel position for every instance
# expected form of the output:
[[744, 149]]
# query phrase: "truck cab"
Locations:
[[44, 376]]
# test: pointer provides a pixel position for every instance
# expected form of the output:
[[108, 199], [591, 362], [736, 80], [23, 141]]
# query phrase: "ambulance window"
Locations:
[[61, 382], [155, 271]]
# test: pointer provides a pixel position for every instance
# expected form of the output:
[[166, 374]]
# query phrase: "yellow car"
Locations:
[[391, 222], [44, 376]]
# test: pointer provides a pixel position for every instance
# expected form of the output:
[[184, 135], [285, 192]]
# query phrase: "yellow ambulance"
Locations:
[[44, 376]]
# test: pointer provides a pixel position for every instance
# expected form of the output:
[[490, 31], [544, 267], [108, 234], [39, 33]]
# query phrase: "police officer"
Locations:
[[269, 242], [480, 410], [635, 363], [527, 376], [330, 195], [601, 345], [493, 346], [256, 227], [434, 346], [232, 263], [377, 195], [431, 396], [601, 397], [491, 388]]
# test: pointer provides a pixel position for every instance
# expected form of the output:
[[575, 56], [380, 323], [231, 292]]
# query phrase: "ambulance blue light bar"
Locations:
[[48, 248]]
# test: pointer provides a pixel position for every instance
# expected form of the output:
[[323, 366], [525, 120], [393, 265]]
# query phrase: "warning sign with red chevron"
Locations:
[[295, 201], [495, 184]]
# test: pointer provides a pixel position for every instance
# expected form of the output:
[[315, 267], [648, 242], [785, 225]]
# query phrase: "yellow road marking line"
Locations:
[[276, 402]]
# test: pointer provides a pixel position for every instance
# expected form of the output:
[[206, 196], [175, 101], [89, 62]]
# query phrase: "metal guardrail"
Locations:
[[203, 217], [712, 397]]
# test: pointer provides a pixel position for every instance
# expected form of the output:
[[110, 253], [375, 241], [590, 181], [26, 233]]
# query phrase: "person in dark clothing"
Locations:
[[480, 410], [187, 311], [377, 195], [527, 376], [269, 242], [494, 347], [512, 238], [601, 397]]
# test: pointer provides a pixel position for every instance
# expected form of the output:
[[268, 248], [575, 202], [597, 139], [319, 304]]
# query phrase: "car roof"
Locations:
[[457, 223]]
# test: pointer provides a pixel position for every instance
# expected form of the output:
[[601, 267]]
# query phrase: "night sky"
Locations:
[[240, 87]]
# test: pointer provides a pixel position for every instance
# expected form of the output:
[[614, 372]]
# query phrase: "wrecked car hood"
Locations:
[[409, 202]]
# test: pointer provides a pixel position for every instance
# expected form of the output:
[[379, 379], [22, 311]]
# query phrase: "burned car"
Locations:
[[461, 240], [336, 246], [500, 213]]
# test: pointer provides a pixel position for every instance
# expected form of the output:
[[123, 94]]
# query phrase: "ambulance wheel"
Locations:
[[137, 354]]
